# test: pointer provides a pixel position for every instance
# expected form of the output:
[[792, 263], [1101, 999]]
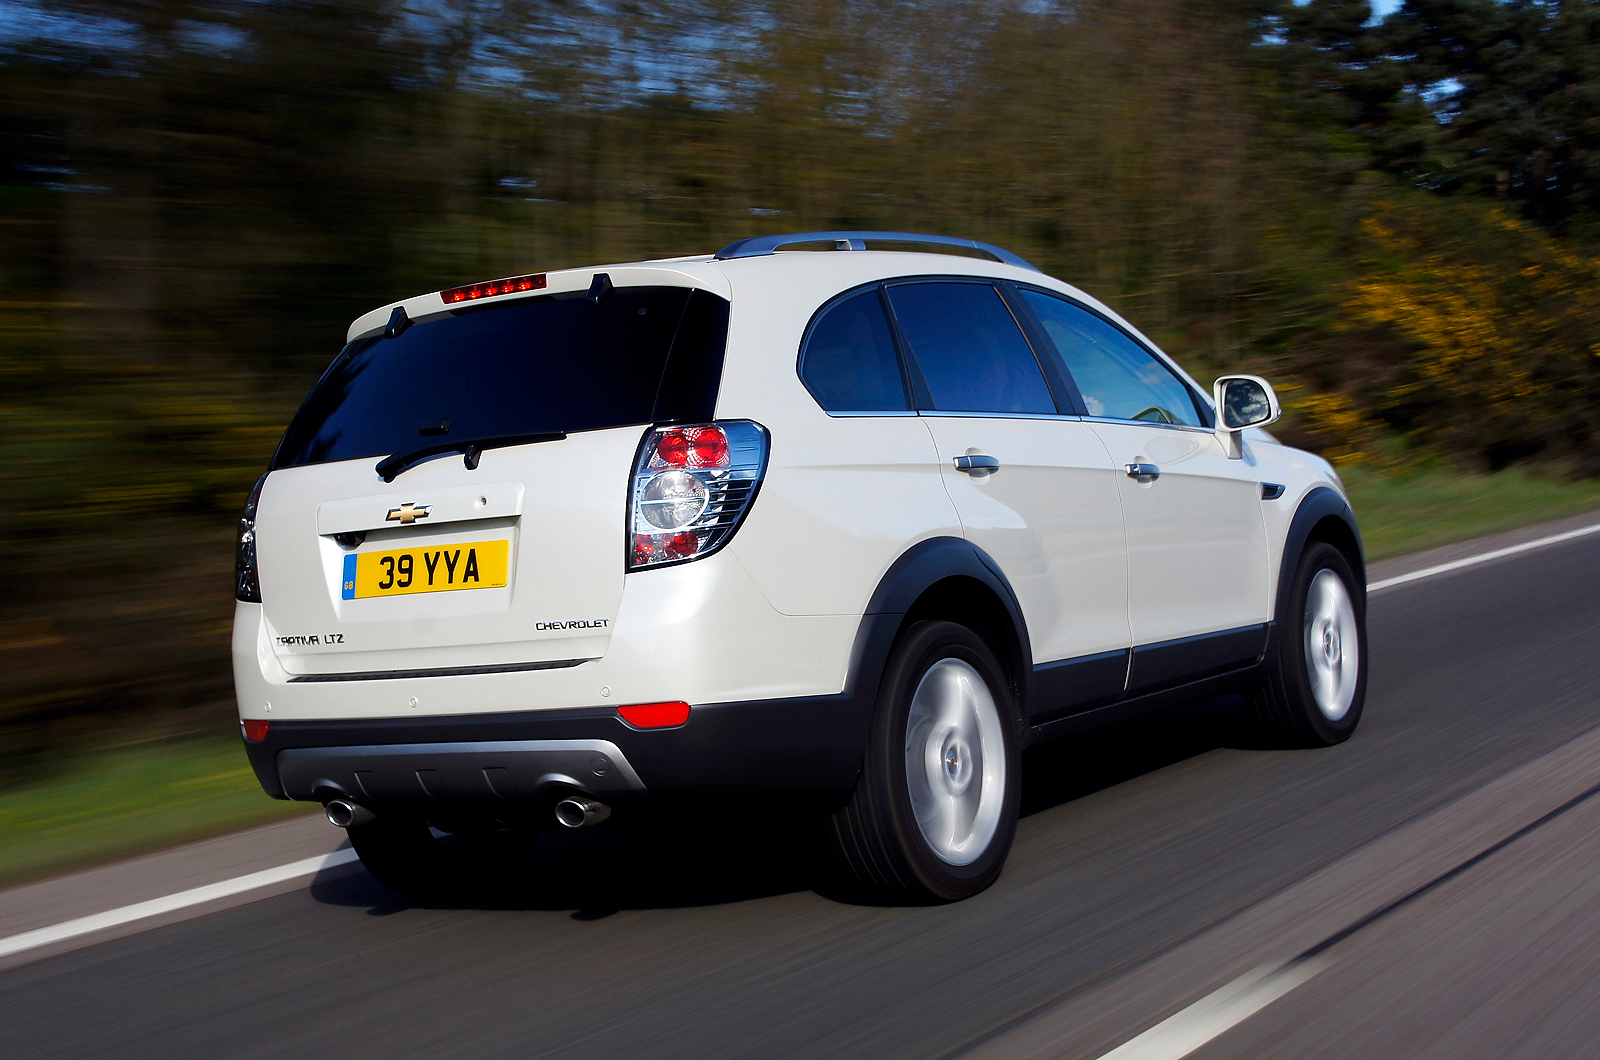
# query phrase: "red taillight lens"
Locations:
[[658, 548], [672, 450], [708, 448], [509, 285], [254, 731], [655, 715], [691, 447]]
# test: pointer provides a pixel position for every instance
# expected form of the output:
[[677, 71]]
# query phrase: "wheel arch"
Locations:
[[1323, 515], [944, 578]]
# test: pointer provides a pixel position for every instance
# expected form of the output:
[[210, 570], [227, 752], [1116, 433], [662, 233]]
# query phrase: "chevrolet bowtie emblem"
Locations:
[[407, 513]]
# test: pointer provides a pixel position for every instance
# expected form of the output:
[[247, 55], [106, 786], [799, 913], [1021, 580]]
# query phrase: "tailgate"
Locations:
[[515, 563]]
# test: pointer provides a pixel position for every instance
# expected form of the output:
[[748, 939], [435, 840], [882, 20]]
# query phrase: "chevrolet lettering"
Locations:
[[865, 513]]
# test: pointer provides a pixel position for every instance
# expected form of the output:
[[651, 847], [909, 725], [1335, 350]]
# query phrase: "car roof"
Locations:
[[695, 270], [804, 278]]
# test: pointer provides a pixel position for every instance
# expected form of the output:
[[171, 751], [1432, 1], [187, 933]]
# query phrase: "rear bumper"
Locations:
[[803, 746]]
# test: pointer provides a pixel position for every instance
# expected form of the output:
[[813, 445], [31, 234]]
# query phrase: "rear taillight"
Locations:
[[691, 488], [246, 585]]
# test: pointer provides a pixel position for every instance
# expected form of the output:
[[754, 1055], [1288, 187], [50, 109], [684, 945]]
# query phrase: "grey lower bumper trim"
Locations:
[[501, 769]]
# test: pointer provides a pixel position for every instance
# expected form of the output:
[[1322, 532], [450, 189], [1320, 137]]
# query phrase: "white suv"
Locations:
[[850, 525]]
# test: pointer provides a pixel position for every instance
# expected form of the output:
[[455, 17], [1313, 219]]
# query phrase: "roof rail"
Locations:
[[758, 246]]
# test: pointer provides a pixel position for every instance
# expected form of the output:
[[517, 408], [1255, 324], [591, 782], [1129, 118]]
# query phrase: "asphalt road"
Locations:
[[724, 940]]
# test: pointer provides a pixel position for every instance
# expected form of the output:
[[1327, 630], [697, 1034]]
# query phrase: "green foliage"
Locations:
[[112, 802], [1432, 504], [196, 196], [1501, 323]]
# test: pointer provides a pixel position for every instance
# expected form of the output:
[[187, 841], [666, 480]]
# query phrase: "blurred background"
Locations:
[[1395, 216]]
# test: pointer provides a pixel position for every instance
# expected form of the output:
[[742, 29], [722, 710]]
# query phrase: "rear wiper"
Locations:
[[469, 448]]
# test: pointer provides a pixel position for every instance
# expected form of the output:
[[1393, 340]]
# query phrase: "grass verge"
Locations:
[[111, 803], [1430, 506]]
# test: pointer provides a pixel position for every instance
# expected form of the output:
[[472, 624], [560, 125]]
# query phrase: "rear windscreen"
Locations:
[[546, 364]]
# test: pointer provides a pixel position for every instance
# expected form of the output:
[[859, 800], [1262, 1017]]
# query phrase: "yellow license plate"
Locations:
[[434, 569]]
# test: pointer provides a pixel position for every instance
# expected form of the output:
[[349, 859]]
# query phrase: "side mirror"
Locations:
[[1243, 401]]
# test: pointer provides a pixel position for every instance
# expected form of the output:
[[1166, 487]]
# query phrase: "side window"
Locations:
[[969, 348], [1117, 377], [849, 363]]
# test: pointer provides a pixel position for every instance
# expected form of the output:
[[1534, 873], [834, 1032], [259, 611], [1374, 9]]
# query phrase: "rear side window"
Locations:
[[553, 363], [970, 351], [849, 363], [1118, 378]]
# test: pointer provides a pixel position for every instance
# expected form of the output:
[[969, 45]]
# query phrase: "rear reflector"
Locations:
[[654, 715], [509, 285], [254, 731]]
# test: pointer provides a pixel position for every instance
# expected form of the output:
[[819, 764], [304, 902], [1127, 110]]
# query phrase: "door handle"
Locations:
[[1136, 470], [977, 465]]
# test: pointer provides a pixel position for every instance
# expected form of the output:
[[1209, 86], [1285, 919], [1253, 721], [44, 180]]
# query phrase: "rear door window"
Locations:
[[849, 362], [1118, 378], [969, 349], [546, 364]]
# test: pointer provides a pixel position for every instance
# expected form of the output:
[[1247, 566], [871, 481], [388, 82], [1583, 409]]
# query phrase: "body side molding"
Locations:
[[1187, 659]]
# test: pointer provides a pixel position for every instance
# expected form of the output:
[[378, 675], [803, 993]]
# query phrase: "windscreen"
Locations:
[[556, 363]]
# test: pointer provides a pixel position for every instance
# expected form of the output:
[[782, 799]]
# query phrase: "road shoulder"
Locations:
[[37, 905]]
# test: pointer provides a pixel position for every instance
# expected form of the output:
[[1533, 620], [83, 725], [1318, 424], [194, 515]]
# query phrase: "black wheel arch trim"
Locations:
[[1319, 504], [919, 569]]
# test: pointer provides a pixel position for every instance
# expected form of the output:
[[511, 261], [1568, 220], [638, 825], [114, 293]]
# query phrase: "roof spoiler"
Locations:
[[758, 246]]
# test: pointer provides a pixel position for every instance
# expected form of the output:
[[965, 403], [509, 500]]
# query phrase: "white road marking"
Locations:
[[1219, 1011], [1183, 1032], [1176, 1036], [1472, 561], [156, 906]]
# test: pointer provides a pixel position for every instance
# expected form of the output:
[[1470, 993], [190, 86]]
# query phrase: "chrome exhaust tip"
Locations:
[[343, 813], [580, 811]]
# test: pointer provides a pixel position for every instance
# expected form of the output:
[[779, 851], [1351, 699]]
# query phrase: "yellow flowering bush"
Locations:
[[1500, 326]]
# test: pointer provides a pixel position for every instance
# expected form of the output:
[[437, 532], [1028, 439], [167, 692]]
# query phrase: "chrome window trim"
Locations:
[[1198, 428], [949, 413], [952, 413], [857, 414]]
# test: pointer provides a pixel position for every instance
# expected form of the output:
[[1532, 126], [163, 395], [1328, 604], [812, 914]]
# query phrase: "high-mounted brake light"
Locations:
[[691, 488], [254, 731], [654, 715], [509, 285]]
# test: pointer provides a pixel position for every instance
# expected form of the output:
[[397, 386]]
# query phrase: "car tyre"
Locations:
[[1316, 686], [934, 808]]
